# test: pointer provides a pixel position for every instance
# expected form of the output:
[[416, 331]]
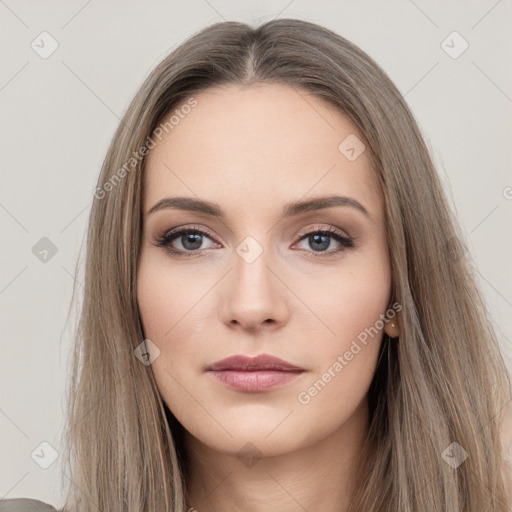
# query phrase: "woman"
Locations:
[[279, 313]]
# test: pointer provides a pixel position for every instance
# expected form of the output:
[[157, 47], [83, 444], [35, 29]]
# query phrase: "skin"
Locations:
[[252, 150]]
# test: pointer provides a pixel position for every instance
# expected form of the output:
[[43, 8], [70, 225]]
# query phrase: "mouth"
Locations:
[[254, 374]]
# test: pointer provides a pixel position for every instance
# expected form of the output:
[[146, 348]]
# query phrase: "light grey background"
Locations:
[[59, 114]]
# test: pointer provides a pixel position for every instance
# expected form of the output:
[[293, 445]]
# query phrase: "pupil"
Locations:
[[318, 239], [194, 238]]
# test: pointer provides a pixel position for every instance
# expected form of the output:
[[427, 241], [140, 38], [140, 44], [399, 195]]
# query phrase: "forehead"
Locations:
[[260, 144]]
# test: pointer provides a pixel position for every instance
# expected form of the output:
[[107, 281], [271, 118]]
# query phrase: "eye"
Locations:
[[320, 239], [191, 240]]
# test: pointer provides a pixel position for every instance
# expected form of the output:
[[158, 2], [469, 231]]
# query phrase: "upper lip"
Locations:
[[260, 362]]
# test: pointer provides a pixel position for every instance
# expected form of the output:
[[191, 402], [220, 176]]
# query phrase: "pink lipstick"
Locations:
[[254, 374]]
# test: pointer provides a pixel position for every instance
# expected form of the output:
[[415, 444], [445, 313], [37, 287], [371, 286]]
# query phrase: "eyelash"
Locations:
[[169, 236]]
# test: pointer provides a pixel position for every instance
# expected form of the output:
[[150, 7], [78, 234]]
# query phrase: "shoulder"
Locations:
[[25, 505]]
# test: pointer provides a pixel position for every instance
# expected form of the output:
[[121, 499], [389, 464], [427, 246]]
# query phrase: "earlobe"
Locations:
[[392, 329]]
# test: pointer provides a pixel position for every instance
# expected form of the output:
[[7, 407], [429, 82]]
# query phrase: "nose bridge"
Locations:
[[252, 264], [255, 294], [252, 269]]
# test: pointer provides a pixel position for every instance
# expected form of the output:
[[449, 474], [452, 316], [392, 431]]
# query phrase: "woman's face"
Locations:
[[262, 279]]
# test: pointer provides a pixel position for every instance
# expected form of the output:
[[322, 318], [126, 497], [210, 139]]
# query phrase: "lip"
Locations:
[[260, 362], [254, 374]]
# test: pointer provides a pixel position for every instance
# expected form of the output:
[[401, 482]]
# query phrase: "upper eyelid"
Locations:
[[181, 229], [329, 229]]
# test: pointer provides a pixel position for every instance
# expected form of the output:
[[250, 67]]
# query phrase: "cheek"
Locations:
[[166, 295], [345, 361], [175, 314], [351, 302], [168, 303], [347, 300]]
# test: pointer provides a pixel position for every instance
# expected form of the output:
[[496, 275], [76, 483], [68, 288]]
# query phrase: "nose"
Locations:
[[254, 297]]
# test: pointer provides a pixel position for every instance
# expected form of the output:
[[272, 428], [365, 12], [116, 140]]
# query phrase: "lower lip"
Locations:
[[255, 381]]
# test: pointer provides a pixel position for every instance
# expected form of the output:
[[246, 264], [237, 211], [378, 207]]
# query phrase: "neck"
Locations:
[[320, 476]]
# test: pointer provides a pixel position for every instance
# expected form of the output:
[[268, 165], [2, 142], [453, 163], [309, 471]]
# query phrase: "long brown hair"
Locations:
[[443, 382]]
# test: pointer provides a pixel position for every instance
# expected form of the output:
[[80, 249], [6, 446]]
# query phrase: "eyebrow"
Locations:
[[289, 210]]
